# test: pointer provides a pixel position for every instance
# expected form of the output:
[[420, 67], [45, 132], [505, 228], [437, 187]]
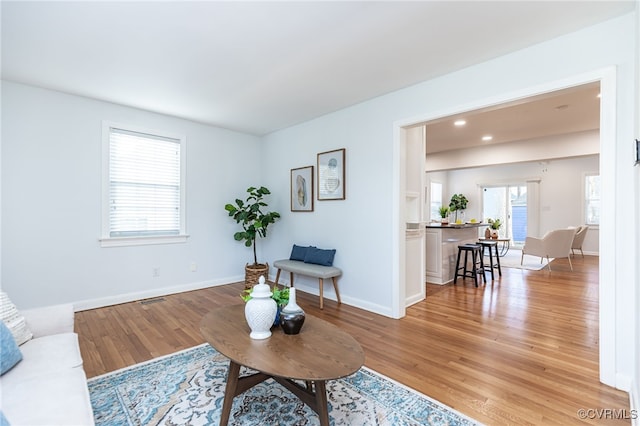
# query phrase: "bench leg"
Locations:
[[320, 284], [335, 287]]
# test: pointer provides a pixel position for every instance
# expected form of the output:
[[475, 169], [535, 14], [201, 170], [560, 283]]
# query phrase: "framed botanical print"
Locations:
[[302, 189], [331, 173]]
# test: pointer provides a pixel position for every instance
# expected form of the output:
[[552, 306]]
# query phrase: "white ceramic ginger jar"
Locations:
[[260, 311]]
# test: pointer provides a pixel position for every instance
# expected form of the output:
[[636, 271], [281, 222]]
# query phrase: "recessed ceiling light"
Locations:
[[459, 123], [487, 138]]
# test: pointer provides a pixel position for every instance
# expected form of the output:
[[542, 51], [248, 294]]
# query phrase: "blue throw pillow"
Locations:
[[3, 419], [298, 253], [11, 354], [320, 256]]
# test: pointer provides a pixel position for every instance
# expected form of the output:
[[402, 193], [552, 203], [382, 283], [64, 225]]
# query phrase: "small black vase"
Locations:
[[291, 322], [292, 316]]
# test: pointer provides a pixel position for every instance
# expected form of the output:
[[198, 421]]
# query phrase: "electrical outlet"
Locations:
[[193, 266], [155, 272]]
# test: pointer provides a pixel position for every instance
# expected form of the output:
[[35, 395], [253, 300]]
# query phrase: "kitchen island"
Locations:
[[442, 243]]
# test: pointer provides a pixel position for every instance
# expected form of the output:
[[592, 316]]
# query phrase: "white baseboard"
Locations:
[[330, 295], [623, 382], [412, 300], [627, 384], [84, 305]]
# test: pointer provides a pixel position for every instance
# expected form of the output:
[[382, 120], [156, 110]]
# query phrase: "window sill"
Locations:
[[142, 241]]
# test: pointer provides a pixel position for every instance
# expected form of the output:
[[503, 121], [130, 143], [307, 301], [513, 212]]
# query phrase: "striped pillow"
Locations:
[[13, 320]]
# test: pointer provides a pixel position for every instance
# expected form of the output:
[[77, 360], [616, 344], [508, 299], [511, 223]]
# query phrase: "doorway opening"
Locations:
[[606, 78]]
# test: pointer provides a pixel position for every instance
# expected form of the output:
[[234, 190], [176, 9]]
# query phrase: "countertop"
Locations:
[[455, 225]]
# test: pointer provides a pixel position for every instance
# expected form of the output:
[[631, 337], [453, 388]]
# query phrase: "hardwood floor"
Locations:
[[520, 350]]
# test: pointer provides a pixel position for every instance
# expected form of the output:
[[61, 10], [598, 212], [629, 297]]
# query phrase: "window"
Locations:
[[592, 199], [435, 200], [143, 187]]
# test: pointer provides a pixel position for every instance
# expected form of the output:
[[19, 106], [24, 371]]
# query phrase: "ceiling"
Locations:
[[575, 109], [257, 67]]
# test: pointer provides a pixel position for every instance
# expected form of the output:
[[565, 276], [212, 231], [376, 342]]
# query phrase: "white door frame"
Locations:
[[607, 79]]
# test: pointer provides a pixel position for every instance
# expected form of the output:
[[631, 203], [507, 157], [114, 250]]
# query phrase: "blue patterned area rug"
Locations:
[[187, 388]]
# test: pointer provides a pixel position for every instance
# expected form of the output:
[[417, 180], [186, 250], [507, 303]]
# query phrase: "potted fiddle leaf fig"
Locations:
[[251, 215]]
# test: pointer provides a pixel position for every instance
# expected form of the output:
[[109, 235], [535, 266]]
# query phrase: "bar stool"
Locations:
[[476, 260], [492, 246]]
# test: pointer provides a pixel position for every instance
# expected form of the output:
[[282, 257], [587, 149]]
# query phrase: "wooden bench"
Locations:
[[310, 270]]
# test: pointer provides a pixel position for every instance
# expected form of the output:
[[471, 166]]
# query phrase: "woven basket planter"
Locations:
[[253, 272]]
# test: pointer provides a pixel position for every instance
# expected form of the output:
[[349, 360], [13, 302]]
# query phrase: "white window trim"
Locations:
[[108, 241]]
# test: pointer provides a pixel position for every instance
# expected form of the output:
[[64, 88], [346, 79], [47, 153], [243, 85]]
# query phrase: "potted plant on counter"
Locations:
[[254, 221], [444, 214], [457, 204]]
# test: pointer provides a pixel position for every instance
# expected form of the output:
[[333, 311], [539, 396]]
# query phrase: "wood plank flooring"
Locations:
[[522, 350]]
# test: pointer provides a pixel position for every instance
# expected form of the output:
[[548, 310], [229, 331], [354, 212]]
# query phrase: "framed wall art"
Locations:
[[302, 189], [331, 172]]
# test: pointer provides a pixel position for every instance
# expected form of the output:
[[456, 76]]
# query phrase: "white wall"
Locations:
[[358, 227], [561, 190], [362, 227], [51, 204]]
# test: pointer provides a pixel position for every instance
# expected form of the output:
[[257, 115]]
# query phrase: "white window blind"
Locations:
[[145, 188]]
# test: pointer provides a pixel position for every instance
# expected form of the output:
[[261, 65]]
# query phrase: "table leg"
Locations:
[[230, 392], [235, 386], [314, 394], [321, 402]]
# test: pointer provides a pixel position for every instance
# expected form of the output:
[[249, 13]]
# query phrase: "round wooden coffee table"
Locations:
[[320, 352]]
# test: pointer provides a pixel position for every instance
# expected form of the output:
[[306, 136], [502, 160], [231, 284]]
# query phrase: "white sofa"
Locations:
[[49, 386]]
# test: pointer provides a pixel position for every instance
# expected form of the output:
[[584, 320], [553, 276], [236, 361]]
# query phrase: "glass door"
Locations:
[[509, 204]]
